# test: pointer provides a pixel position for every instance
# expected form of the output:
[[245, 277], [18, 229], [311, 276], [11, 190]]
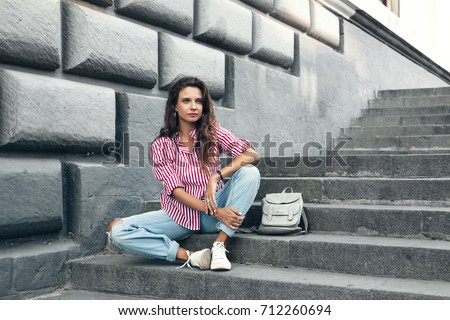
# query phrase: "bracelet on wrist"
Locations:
[[220, 174]]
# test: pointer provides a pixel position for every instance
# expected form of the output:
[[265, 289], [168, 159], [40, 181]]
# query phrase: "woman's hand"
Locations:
[[229, 216], [210, 194]]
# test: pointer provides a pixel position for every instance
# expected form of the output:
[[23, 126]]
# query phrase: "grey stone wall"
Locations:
[[78, 78]]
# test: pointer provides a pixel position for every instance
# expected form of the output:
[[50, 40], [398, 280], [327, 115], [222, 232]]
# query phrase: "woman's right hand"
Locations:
[[229, 216]]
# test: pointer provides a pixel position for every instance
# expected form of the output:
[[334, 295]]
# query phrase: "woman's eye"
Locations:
[[186, 101], [198, 102]]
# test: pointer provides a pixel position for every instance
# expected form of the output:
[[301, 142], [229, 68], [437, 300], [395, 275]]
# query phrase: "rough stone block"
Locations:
[[41, 266], [180, 58], [173, 15], [98, 193], [324, 25], [403, 258], [105, 47], [30, 33], [311, 188], [139, 119], [263, 5], [6, 276], [101, 3], [293, 12], [272, 42], [137, 276], [386, 189], [30, 197], [43, 113], [224, 24]]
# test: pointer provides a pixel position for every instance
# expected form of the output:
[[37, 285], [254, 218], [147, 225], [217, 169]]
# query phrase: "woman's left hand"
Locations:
[[210, 194]]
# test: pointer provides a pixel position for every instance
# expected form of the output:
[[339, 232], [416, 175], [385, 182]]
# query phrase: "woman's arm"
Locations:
[[229, 216], [189, 200], [249, 156]]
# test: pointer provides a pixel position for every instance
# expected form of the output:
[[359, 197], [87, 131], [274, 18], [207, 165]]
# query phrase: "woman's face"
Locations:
[[189, 105]]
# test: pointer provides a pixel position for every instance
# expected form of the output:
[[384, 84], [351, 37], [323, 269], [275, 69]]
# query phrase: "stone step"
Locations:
[[370, 220], [405, 111], [38, 267], [410, 102], [377, 256], [398, 142], [420, 222], [395, 191], [137, 276], [393, 152], [397, 130], [402, 93], [411, 120], [357, 166], [71, 294]]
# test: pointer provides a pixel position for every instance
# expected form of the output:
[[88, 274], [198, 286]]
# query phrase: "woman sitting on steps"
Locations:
[[194, 198]]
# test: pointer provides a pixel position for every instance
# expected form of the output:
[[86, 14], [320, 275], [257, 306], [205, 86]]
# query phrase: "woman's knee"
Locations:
[[113, 223], [250, 172], [115, 230]]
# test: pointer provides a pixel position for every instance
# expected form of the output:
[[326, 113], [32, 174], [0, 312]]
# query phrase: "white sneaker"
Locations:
[[200, 259], [219, 259]]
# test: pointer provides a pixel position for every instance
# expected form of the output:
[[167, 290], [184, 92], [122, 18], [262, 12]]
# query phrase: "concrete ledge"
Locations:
[[400, 142], [324, 190], [263, 5], [127, 55], [378, 131], [180, 58], [272, 42], [139, 276], [101, 3], [30, 33], [34, 267], [375, 256], [377, 220], [408, 120], [293, 12], [139, 119], [173, 15], [30, 197], [416, 222], [324, 25], [224, 24], [408, 102], [98, 193], [392, 111], [386, 94], [43, 113], [357, 166]]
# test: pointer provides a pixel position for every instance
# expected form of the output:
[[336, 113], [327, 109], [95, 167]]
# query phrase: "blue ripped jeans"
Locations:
[[154, 234]]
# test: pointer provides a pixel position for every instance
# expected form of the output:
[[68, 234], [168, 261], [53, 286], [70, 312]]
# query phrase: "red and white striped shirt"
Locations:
[[176, 166]]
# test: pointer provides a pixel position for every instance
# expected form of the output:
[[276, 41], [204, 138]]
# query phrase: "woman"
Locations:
[[194, 197]]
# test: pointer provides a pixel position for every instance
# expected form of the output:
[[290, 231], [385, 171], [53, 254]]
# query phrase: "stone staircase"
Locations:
[[380, 227], [402, 121]]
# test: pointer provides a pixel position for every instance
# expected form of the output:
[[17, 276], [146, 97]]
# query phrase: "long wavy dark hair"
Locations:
[[205, 126]]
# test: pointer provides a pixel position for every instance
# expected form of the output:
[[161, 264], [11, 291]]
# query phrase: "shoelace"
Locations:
[[221, 246], [187, 263]]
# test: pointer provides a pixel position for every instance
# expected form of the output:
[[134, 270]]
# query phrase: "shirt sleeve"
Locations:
[[163, 158], [229, 144]]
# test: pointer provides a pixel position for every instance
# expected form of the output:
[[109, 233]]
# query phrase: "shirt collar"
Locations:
[[192, 134]]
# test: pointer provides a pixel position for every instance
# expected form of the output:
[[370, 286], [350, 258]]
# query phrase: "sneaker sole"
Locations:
[[204, 262], [220, 266]]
